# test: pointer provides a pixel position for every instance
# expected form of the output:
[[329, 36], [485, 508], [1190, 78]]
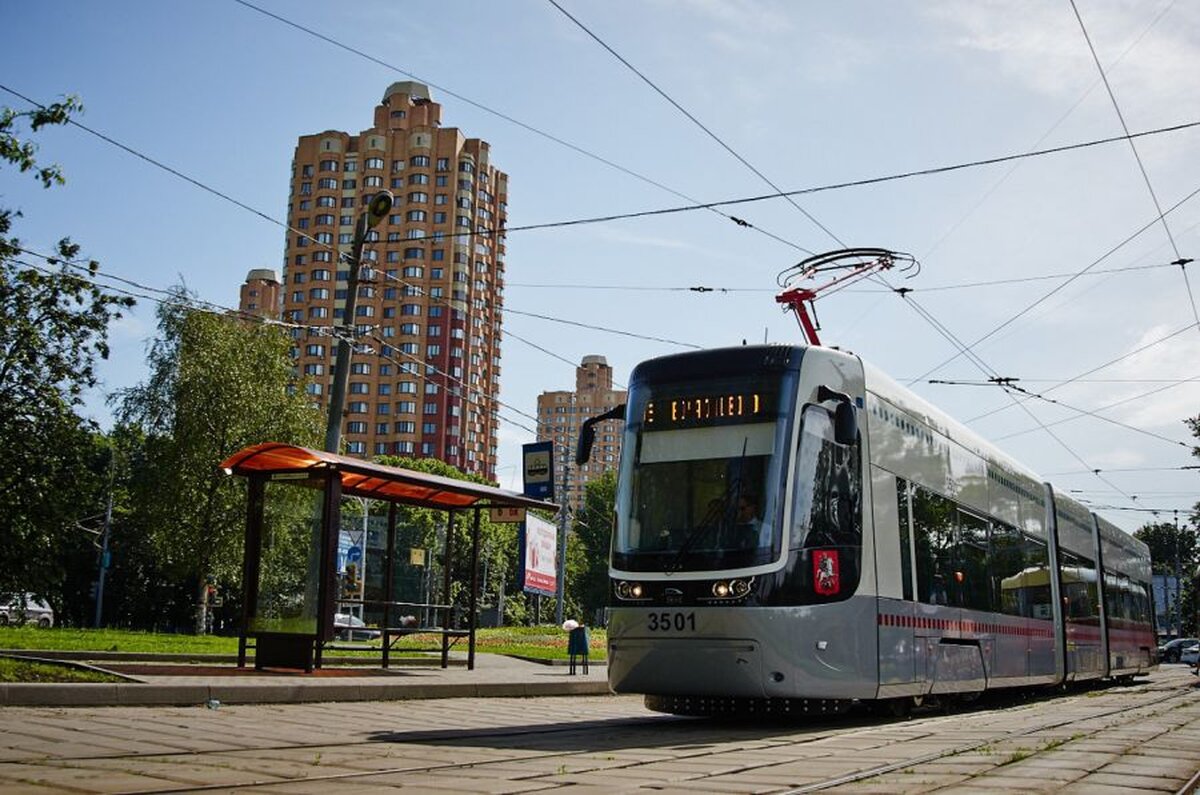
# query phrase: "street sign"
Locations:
[[416, 556], [354, 554], [506, 514], [538, 469]]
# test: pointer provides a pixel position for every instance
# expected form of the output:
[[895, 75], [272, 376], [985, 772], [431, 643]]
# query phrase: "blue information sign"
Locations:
[[538, 470]]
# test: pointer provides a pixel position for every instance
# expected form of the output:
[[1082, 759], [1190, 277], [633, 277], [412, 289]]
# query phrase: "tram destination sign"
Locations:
[[696, 411]]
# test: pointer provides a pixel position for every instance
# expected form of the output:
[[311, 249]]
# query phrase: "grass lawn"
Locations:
[[26, 671], [542, 643]]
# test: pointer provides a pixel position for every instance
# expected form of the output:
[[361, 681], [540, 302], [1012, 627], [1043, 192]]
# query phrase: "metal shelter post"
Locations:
[[251, 558], [327, 577], [472, 619], [389, 569], [448, 610]]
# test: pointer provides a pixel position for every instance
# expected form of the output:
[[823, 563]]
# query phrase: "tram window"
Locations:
[[970, 573], [1036, 602], [828, 502], [1078, 577], [1006, 561], [933, 529], [905, 547]]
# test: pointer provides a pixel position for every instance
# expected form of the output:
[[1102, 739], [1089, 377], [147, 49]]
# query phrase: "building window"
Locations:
[[410, 309], [373, 181], [418, 179], [416, 215], [357, 426], [413, 271], [419, 161], [314, 369], [327, 183], [351, 165], [407, 387], [430, 408], [356, 448], [314, 350], [407, 426], [313, 389], [326, 201], [324, 238], [417, 197], [316, 293], [324, 219], [360, 368], [374, 162], [406, 407], [318, 311], [358, 407], [306, 171], [403, 448], [323, 256]]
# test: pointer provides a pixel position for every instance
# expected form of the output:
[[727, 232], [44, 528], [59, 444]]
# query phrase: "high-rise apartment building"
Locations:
[[426, 368], [260, 293], [560, 415]]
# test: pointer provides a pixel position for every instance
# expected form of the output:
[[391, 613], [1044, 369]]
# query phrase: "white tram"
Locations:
[[797, 532]]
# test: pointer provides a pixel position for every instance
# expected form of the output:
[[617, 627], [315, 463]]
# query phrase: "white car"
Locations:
[[350, 627], [1190, 654], [26, 610]]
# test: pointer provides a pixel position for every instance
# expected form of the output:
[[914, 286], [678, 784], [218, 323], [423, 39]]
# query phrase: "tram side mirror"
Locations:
[[587, 433], [845, 422]]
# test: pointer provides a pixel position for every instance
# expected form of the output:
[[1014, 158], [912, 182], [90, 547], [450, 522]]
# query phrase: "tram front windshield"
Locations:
[[702, 487]]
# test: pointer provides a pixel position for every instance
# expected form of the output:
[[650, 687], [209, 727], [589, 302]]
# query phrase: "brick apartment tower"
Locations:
[[425, 377], [560, 415]]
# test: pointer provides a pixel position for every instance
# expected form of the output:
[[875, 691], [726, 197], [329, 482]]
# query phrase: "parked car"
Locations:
[[350, 627], [26, 610], [1190, 654], [1170, 652]]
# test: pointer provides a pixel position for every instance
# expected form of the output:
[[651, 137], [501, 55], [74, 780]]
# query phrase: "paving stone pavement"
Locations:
[[1130, 739]]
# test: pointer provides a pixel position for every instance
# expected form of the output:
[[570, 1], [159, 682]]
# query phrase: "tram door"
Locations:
[[899, 658]]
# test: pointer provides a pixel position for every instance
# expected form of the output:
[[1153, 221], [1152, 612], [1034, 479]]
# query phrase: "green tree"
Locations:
[[1169, 545], [53, 328], [588, 571], [425, 528], [216, 385]]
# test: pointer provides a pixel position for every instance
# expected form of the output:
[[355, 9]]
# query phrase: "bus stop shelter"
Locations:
[[289, 566]]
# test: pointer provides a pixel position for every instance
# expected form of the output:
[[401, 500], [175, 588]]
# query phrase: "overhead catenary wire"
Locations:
[[1008, 173], [195, 304], [1007, 383], [1037, 302], [921, 310], [641, 75], [1095, 369], [1179, 258]]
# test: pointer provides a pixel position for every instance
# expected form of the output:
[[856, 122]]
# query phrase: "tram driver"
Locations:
[[747, 522]]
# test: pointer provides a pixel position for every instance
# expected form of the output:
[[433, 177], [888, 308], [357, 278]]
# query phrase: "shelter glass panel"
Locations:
[[290, 564]]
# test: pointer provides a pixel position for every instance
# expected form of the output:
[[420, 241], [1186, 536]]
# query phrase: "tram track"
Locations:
[[706, 740]]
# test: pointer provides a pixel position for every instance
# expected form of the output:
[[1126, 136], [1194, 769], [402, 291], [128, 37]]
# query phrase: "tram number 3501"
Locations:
[[667, 621]]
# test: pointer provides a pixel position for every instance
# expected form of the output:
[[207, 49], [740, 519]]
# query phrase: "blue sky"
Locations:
[[809, 93]]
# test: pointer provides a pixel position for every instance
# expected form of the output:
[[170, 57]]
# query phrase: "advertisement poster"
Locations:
[[539, 543]]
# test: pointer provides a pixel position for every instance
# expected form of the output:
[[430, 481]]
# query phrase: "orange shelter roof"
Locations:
[[375, 481]]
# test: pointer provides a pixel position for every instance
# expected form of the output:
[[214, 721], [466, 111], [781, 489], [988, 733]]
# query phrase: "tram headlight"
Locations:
[[629, 590], [732, 589]]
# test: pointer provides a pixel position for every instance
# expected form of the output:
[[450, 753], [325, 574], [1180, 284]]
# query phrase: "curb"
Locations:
[[75, 694]]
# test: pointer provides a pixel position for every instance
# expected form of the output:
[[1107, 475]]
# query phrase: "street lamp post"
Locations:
[[378, 208]]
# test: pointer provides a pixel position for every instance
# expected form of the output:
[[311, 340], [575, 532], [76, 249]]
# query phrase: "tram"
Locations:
[[795, 532]]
